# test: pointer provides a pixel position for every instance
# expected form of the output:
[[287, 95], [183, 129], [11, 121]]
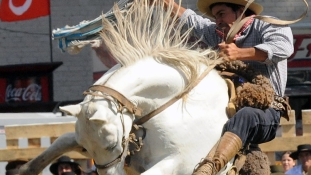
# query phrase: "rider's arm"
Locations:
[[277, 41], [270, 44], [176, 8], [231, 53]]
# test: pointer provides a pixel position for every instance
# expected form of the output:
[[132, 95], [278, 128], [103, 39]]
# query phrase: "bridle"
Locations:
[[122, 103]]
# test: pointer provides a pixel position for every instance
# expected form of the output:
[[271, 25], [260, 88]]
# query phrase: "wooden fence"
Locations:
[[34, 134], [288, 141], [37, 138]]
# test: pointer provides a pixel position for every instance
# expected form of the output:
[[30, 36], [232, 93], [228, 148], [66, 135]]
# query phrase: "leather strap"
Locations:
[[240, 22], [231, 109], [121, 98]]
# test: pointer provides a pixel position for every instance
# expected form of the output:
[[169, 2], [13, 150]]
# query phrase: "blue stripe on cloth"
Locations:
[[86, 31]]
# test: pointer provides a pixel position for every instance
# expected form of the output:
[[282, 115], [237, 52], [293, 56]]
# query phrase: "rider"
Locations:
[[262, 45]]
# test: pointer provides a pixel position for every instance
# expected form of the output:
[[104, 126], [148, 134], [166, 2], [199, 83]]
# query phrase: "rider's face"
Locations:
[[225, 16]]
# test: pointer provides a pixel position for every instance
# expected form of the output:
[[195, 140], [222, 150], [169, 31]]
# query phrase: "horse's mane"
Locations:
[[148, 30]]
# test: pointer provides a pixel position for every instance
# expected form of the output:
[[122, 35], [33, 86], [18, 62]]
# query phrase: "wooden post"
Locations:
[[306, 122]]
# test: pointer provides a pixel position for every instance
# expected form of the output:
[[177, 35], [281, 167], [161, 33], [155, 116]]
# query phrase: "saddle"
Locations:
[[247, 87], [231, 109]]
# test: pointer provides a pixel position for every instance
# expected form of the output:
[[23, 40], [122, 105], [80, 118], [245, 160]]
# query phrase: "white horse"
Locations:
[[155, 66]]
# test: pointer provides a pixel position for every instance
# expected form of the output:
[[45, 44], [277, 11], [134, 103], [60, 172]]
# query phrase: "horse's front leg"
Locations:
[[61, 145]]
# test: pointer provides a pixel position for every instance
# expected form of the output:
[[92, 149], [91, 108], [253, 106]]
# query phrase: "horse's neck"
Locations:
[[147, 83], [107, 75]]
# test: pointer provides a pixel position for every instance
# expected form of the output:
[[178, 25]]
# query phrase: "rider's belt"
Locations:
[[281, 104]]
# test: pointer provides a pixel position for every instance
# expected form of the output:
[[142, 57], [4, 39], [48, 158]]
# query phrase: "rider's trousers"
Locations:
[[254, 125]]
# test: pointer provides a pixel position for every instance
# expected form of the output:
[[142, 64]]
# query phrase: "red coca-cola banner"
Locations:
[[26, 89]]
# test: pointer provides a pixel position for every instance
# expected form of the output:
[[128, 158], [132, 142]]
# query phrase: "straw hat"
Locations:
[[300, 148], [204, 6]]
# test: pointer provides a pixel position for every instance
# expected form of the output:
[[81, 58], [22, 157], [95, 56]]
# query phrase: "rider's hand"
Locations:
[[230, 52]]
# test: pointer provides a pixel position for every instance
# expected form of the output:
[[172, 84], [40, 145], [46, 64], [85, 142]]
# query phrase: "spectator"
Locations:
[[15, 164], [287, 161], [65, 165], [12, 168], [12, 172], [68, 173], [303, 154], [94, 170]]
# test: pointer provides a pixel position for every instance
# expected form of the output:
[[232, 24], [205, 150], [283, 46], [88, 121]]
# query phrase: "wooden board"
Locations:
[[32, 134], [30, 153], [38, 130], [285, 143]]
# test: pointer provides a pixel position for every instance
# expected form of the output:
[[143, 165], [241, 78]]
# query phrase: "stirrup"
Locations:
[[204, 161]]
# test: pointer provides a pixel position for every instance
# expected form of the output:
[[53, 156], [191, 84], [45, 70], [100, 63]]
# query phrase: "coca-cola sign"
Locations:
[[23, 90], [27, 87], [30, 93]]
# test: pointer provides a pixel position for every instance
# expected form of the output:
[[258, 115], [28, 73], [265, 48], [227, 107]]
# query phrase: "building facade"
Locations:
[[28, 55]]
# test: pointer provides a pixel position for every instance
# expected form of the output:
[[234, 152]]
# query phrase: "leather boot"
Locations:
[[228, 147]]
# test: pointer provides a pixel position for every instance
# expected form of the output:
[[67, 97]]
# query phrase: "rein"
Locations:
[[105, 166]]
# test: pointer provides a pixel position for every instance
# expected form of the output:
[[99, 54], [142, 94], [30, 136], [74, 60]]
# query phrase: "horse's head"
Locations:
[[102, 129]]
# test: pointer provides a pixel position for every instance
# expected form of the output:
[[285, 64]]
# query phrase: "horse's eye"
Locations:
[[112, 147]]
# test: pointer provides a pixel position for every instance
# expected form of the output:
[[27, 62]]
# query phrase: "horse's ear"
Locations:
[[71, 109]]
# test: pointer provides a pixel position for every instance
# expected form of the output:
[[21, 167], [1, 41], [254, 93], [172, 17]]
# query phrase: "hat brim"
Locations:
[[204, 6], [54, 170], [294, 155]]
